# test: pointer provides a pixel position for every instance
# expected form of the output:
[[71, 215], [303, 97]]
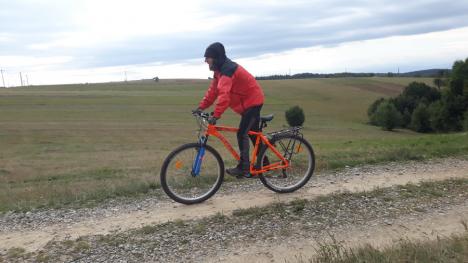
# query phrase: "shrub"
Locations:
[[456, 86], [414, 94], [372, 108], [420, 119], [295, 116], [405, 103], [438, 116], [447, 107], [465, 121], [387, 116], [419, 90], [447, 114], [455, 108], [439, 82], [406, 118]]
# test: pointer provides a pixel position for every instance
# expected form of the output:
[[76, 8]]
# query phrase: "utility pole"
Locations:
[[125, 76], [1, 70], [27, 80], [21, 79]]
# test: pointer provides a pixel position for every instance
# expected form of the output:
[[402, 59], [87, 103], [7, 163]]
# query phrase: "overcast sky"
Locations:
[[70, 41]]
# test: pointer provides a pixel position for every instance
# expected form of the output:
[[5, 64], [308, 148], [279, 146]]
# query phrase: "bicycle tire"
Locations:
[[268, 180], [171, 192]]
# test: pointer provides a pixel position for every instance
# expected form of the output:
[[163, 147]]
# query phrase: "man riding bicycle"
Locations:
[[236, 88]]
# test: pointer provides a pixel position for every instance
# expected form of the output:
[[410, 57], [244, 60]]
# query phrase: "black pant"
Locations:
[[250, 121]]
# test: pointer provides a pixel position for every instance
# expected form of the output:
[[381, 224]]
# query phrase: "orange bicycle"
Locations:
[[283, 160]]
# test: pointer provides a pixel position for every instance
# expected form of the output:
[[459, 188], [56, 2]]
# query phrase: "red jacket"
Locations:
[[239, 92]]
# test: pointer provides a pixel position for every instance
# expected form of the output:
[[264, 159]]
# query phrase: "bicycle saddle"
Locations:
[[266, 118]]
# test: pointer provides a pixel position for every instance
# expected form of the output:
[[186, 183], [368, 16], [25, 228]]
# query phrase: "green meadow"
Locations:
[[69, 145]]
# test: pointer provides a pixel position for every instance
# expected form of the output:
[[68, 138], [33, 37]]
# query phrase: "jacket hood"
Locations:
[[217, 52]]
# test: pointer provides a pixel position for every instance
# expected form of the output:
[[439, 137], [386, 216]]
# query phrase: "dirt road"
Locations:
[[429, 227], [351, 179]]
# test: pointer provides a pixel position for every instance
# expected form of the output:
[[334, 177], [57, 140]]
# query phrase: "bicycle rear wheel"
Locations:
[[301, 159], [178, 180]]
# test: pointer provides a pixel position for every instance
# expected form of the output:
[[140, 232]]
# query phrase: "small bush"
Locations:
[[295, 116], [387, 116], [372, 108]]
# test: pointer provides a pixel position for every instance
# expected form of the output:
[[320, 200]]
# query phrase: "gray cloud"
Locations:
[[262, 29], [37, 18]]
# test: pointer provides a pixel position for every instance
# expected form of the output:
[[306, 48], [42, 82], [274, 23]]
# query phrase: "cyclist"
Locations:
[[236, 88]]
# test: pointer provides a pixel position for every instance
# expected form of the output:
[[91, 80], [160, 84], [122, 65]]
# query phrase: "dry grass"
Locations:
[[444, 249]]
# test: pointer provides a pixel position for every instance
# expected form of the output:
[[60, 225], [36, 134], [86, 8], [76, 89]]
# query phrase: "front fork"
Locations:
[[199, 158]]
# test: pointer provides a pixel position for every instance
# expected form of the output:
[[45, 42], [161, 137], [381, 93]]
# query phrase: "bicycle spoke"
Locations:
[[178, 179], [301, 160]]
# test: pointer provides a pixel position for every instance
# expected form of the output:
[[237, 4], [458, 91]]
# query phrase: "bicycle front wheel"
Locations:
[[179, 181], [301, 158]]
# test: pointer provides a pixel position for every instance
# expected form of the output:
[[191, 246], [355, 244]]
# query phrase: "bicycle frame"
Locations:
[[195, 184], [214, 130]]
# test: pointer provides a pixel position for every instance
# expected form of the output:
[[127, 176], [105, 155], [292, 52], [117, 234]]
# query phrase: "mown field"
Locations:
[[81, 144]]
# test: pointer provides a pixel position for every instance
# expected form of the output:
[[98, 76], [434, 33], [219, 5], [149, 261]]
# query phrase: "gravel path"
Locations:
[[33, 230], [45, 217], [432, 224], [265, 231]]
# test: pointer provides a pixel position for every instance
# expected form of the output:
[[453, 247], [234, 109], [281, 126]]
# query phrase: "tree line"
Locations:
[[315, 75], [437, 73], [423, 108]]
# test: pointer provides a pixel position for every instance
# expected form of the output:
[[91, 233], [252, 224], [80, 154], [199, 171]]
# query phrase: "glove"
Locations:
[[212, 120], [197, 111]]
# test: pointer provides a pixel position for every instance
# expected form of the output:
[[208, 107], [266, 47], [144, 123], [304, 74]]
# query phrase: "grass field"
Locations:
[[76, 144]]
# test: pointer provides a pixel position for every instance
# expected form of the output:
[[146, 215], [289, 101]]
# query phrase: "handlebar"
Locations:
[[202, 121], [201, 114]]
